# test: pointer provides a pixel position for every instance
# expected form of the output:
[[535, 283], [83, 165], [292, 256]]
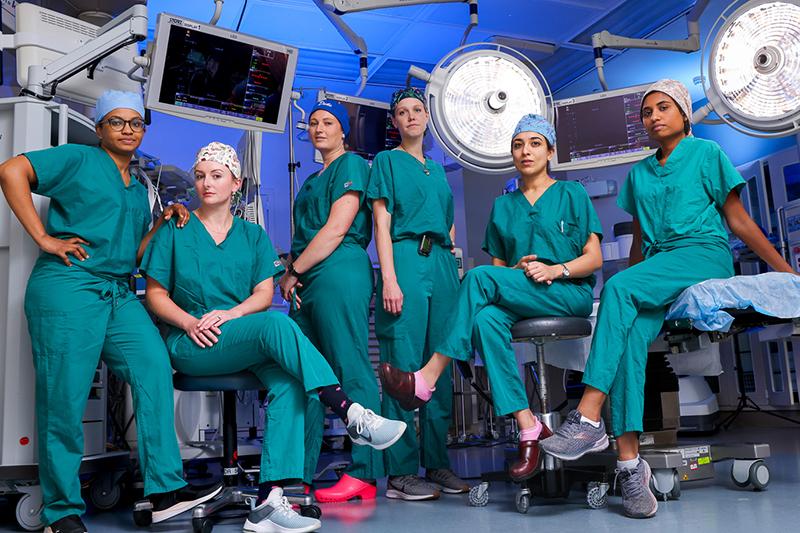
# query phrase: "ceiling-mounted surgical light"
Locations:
[[476, 95], [753, 78]]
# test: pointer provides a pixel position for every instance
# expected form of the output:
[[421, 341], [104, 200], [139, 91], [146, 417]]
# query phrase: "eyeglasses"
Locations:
[[118, 124]]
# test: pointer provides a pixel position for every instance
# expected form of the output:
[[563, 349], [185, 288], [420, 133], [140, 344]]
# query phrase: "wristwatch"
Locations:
[[297, 274], [565, 271]]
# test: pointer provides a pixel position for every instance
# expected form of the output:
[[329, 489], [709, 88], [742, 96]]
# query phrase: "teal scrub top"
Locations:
[[681, 203], [555, 228], [88, 199], [201, 275], [420, 204], [312, 206]]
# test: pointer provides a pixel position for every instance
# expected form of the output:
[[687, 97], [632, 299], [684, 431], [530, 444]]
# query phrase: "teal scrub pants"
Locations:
[[633, 305], [490, 300], [76, 318], [429, 286], [334, 315], [271, 346]]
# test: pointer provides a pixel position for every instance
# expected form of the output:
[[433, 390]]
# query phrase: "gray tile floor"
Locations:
[[707, 506]]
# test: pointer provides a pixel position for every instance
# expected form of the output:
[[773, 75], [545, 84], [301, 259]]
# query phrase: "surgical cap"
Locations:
[[675, 90], [111, 100], [407, 92], [222, 154], [536, 124], [337, 110]]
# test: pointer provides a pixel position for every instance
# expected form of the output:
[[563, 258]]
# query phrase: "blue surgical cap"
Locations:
[[337, 110], [536, 124], [111, 100]]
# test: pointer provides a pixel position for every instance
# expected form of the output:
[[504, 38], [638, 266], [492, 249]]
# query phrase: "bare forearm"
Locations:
[[17, 191], [321, 246], [146, 240], [160, 303], [383, 244], [584, 265], [259, 301], [751, 235]]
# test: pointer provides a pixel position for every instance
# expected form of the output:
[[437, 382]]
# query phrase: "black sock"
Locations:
[[334, 397], [266, 487]]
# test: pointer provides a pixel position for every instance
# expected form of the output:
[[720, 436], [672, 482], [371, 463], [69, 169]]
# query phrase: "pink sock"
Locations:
[[421, 388], [531, 433]]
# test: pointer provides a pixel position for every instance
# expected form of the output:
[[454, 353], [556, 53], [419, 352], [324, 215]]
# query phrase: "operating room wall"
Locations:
[[634, 67]]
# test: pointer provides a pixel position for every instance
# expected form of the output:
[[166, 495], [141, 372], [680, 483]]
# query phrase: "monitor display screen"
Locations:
[[601, 129], [206, 72], [371, 128], [791, 177]]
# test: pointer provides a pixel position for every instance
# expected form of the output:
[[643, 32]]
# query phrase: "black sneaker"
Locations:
[[68, 524], [169, 504]]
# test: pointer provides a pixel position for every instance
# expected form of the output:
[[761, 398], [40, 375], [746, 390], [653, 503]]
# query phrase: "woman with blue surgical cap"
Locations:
[[679, 198], [212, 283], [544, 239], [332, 231], [80, 308], [413, 211]]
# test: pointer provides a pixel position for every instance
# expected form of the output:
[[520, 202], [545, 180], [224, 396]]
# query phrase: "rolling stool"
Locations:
[[540, 331], [234, 494]]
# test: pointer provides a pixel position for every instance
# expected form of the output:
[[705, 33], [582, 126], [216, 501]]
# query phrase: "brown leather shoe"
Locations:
[[400, 386], [529, 459]]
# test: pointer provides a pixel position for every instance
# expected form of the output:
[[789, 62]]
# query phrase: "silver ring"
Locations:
[[219, 318]]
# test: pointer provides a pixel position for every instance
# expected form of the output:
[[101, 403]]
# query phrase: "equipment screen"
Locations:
[[211, 73], [601, 131], [791, 177]]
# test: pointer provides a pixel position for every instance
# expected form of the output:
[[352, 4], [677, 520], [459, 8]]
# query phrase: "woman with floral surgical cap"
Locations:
[[212, 283], [544, 239], [679, 198]]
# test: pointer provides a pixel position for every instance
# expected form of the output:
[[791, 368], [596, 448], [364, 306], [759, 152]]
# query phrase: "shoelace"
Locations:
[[632, 487], [285, 507], [569, 428], [369, 420]]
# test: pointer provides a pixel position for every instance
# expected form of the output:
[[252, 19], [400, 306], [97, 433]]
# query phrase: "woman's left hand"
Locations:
[[289, 285], [215, 318], [178, 210], [541, 273]]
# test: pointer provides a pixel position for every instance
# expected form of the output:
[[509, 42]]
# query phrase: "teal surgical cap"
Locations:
[[111, 100], [536, 124]]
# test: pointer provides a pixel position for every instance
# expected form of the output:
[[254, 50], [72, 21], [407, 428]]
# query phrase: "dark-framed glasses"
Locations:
[[118, 124]]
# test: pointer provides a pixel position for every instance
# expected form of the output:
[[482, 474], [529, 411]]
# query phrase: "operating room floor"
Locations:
[[708, 506]]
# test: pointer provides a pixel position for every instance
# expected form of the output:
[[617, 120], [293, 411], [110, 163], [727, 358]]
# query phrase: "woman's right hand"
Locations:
[[392, 297], [524, 260], [204, 338], [63, 247]]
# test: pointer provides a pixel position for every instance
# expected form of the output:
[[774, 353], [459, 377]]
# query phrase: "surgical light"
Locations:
[[753, 78], [476, 95]]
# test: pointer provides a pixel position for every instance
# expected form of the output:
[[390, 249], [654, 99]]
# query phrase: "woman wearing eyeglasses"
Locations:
[[80, 309]]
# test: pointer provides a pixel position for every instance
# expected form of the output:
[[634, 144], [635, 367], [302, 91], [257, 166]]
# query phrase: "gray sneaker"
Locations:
[[412, 488], [574, 439], [367, 428], [637, 500], [447, 480], [276, 514]]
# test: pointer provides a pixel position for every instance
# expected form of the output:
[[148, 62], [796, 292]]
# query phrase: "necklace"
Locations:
[[424, 166]]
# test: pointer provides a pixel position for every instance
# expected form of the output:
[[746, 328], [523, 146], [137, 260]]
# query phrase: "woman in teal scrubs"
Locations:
[[80, 309], [544, 239], [413, 210], [212, 283], [332, 230], [679, 198]]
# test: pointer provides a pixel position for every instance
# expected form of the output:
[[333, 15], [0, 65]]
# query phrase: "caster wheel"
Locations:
[[597, 495], [311, 511], [663, 496], [28, 513], [104, 496], [759, 475], [664, 483], [479, 495], [523, 502], [675, 493], [202, 525], [143, 518]]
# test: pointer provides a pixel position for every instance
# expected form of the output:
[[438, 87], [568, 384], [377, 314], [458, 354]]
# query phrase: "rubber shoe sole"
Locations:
[[400, 495], [181, 507], [362, 442]]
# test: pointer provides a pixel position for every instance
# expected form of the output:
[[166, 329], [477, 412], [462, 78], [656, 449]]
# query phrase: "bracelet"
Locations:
[[294, 272]]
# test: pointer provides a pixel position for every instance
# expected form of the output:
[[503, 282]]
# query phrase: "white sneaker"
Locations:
[[367, 428], [275, 515]]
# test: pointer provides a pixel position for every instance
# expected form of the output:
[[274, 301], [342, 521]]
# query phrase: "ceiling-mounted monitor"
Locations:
[[215, 75], [601, 129], [371, 128]]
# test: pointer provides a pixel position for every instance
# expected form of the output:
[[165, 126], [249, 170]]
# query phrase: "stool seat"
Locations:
[[551, 328], [237, 381]]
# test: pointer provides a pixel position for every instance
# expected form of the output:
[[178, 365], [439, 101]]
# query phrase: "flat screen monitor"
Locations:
[[371, 128], [791, 178], [215, 75], [601, 129]]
